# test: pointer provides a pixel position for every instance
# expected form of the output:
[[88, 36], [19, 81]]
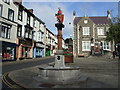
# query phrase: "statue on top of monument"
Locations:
[[59, 16]]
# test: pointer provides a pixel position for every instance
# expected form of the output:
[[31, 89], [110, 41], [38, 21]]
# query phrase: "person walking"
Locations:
[[118, 48], [114, 54]]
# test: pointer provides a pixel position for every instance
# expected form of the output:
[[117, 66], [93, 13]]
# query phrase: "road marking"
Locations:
[[6, 82]]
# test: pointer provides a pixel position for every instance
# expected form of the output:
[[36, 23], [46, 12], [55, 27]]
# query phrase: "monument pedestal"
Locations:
[[59, 59]]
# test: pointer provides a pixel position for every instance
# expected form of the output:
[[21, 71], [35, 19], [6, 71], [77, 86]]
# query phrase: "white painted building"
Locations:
[[8, 27]]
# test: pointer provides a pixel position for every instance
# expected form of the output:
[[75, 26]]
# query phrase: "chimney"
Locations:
[[31, 10], [17, 1], [108, 14]]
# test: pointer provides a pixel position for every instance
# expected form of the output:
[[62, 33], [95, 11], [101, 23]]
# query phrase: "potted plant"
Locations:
[[68, 56]]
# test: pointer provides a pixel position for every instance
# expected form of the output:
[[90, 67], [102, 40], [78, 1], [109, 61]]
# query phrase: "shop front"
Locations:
[[48, 50], [8, 51], [24, 49], [38, 50]]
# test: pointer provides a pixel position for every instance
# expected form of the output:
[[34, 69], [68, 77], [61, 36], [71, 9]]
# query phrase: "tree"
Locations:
[[113, 34]]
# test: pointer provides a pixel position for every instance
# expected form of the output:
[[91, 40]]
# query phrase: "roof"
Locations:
[[96, 20]]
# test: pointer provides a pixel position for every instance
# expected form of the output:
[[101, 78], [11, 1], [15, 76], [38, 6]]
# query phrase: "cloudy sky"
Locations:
[[46, 12]]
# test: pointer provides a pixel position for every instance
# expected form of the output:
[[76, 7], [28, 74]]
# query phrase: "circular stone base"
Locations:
[[65, 75]]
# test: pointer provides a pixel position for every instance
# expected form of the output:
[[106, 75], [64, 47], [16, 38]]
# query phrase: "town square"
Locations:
[[59, 44]]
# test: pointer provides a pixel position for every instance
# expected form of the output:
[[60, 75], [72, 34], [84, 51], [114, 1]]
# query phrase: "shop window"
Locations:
[[5, 33], [8, 53], [11, 14], [20, 14], [6, 1], [19, 31], [25, 52]]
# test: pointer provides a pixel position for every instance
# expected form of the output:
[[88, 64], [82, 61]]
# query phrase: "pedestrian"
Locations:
[[114, 54], [118, 48]]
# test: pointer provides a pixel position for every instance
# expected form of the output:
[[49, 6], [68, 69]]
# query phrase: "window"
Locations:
[[20, 13], [40, 25], [11, 14], [34, 23], [106, 45], [34, 34], [5, 33], [85, 30], [85, 21], [1, 10], [28, 20], [42, 35], [39, 36], [8, 52], [7, 1], [0, 29], [28, 33], [85, 45], [100, 30], [19, 31]]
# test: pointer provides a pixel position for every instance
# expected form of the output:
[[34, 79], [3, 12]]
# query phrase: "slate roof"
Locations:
[[96, 20]]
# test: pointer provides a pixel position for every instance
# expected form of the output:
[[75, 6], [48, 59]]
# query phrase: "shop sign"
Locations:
[[26, 42], [39, 45]]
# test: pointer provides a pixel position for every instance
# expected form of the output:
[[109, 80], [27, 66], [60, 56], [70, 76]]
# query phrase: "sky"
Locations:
[[46, 12]]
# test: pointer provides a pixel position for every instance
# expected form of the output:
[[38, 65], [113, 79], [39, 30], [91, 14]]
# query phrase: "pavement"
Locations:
[[101, 72]]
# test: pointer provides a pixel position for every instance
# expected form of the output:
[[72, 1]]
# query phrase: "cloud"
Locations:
[[46, 12]]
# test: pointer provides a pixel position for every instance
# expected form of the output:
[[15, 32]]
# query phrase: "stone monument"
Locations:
[[59, 73], [59, 56]]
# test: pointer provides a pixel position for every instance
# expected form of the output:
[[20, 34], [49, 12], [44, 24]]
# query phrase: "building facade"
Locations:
[[39, 38], [23, 35], [89, 31], [8, 29], [51, 43]]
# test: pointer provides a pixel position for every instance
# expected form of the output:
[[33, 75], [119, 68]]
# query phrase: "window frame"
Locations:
[[20, 10], [1, 6], [10, 10], [106, 45], [28, 21], [19, 27], [34, 22], [6, 1], [83, 45], [100, 31], [84, 30], [34, 35], [7, 30]]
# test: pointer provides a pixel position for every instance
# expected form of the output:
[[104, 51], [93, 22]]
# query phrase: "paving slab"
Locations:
[[100, 73]]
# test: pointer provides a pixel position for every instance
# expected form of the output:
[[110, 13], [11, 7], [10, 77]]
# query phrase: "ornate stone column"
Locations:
[[59, 36]]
